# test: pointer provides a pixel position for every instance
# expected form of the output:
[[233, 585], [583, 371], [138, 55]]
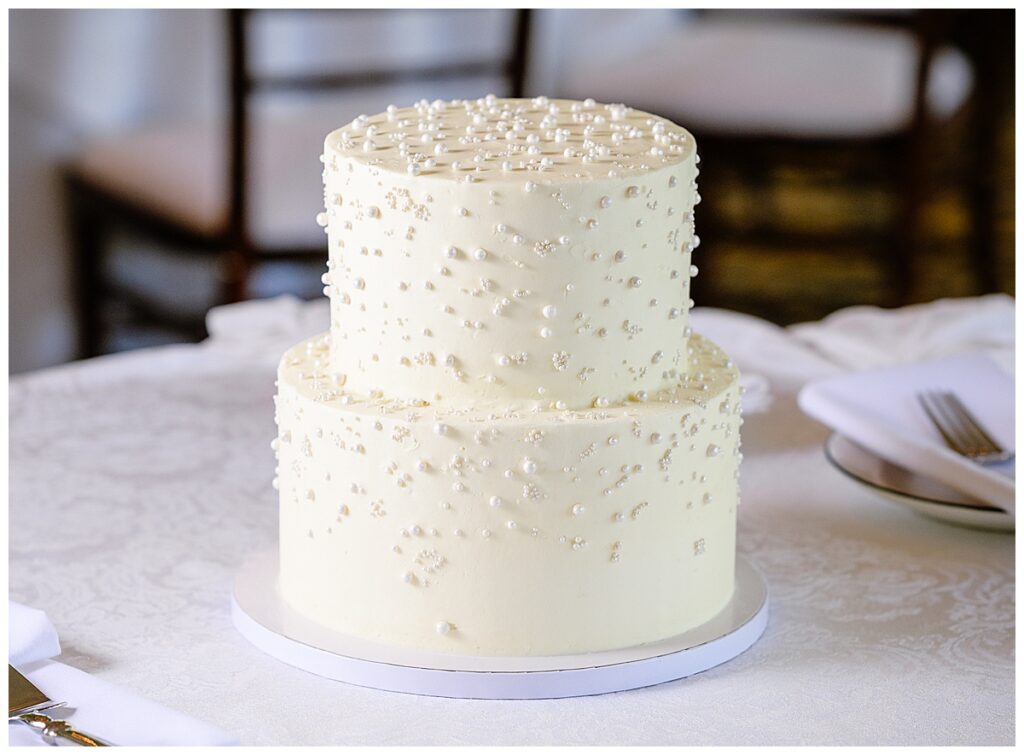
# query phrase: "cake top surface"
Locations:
[[508, 140]]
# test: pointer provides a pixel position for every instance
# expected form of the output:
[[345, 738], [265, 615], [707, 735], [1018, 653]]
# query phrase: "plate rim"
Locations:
[[830, 457]]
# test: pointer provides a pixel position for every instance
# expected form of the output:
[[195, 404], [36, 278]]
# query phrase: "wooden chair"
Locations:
[[987, 37], [848, 97], [235, 198]]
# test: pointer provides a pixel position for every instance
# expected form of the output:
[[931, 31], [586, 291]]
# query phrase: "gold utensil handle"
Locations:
[[54, 730]]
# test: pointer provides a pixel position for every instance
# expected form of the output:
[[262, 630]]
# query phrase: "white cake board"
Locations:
[[270, 624]]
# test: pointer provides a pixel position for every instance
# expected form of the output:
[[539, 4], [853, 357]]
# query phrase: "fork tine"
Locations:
[[926, 400], [974, 442], [971, 444], [961, 431], [968, 419]]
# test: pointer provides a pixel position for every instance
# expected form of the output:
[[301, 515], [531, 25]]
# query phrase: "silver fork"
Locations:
[[961, 431]]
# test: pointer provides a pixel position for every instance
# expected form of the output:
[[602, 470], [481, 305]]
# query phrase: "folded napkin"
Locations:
[[94, 706], [266, 318], [261, 330], [879, 410], [30, 637], [859, 338], [761, 348]]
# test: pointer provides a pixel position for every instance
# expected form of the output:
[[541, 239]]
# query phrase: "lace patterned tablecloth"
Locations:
[[140, 482]]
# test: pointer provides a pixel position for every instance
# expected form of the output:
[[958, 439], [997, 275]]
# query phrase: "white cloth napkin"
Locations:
[[261, 330], [859, 338], [94, 706], [879, 410], [761, 348], [263, 318], [30, 636]]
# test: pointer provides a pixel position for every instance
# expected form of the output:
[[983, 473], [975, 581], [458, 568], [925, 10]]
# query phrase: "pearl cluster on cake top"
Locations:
[[504, 139]]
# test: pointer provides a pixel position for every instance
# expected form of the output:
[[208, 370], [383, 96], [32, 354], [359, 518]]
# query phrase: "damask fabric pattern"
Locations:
[[140, 482]]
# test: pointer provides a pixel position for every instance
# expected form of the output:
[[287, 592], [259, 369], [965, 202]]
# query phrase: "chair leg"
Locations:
[[984, 166], [981, 208], [235, 269], [901, 256], [86, 233]]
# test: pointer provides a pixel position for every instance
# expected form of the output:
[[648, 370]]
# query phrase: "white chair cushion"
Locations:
[[180, 172], [792, 78]]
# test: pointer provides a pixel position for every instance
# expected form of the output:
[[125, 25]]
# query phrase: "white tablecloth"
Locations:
[[140, 482]]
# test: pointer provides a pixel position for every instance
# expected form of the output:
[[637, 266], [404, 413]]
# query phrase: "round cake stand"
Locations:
[[270, 624]]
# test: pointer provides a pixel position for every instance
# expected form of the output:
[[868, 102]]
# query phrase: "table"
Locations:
[[139, 483]]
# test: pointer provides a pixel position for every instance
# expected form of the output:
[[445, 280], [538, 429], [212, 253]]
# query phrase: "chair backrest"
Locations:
[[930, 28], [244, 83]]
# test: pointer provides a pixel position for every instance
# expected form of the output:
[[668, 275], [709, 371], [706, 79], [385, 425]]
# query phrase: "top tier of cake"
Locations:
[[518, 253]]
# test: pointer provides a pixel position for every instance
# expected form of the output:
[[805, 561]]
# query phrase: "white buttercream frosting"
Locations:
[[489, 275], [520, 533], [509, 443]]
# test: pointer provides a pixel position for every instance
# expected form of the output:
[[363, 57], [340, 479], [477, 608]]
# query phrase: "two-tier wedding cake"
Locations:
[[510, 442]]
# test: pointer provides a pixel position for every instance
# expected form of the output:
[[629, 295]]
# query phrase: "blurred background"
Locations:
[[166, 161]]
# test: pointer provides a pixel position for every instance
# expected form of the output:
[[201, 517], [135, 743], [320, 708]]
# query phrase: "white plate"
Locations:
[[922, 494], [274, 627]]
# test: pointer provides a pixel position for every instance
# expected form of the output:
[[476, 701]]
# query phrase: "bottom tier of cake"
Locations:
[[503, 533]]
